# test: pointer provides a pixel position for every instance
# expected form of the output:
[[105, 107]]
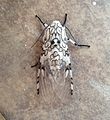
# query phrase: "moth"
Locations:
[[55, 61]]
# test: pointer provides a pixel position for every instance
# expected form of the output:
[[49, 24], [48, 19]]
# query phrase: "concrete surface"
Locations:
[[89, 21]]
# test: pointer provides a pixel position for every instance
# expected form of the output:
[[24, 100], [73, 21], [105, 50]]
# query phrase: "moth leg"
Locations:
[[76, 44], [37, 63], [40, 70], [69, 72], [34, 65], [37, 81], [44, 24], [71, 77]]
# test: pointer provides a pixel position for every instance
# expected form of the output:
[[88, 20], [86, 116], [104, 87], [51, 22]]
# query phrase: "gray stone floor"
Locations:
[[89, 21]]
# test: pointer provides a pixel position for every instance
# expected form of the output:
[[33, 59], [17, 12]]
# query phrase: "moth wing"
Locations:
[[54, 87]]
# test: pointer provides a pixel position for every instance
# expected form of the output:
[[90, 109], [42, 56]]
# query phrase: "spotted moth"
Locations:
[[54, 63]]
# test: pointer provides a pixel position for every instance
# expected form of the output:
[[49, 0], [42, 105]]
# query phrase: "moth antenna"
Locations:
[[65, 20], [40, 20]]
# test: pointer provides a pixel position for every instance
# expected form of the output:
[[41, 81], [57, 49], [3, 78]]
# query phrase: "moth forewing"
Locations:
[[55, 64]]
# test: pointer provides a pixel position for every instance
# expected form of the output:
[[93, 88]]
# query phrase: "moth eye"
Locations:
[[58, 41], [52, 42]]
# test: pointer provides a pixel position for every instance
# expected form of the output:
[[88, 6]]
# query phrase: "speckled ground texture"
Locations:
[[89, 22]]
